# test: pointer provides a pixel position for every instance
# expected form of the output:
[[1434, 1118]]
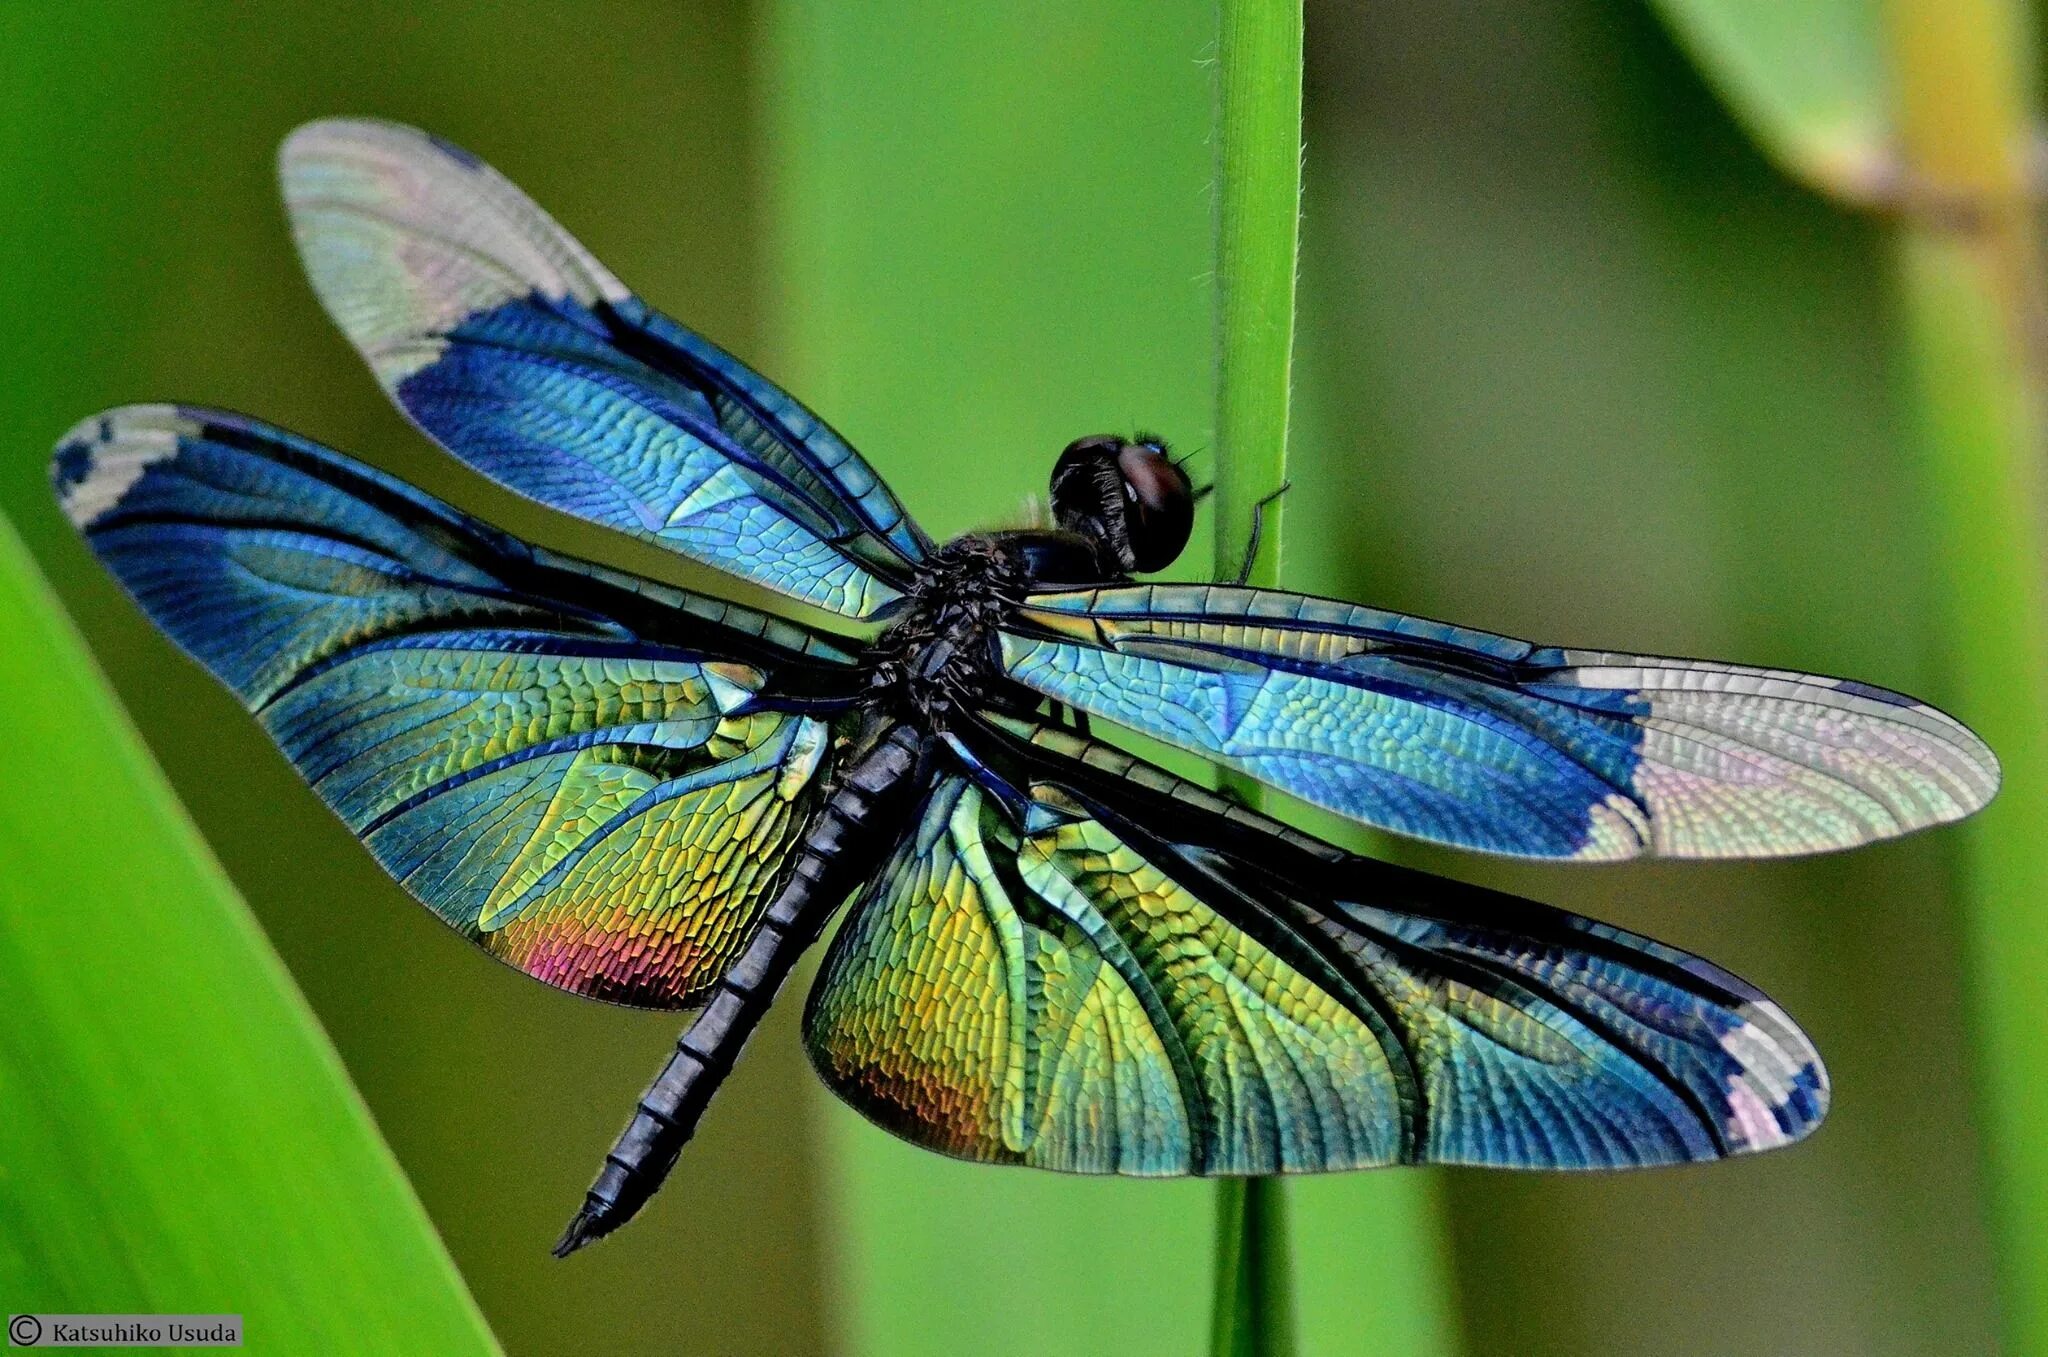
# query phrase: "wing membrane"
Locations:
[[1078, 962], [551, 757], [1487, 742], [507, 342]]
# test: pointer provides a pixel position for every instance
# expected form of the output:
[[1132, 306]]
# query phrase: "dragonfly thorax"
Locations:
[[941, 654]]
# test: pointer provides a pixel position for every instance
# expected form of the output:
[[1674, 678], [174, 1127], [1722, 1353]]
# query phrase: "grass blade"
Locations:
[[1253, 1311], [1258, 219], [180, 1136]]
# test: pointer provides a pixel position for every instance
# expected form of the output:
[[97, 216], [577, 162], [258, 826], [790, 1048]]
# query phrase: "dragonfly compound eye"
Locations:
[[1126, 495], [1159, 511]]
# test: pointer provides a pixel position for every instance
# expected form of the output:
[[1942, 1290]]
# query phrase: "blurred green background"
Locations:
[[1576, 363]]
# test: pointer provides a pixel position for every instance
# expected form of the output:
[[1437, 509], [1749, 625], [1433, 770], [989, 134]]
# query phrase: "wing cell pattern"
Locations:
[[594, 807], [509, 344], [1036, 979], [1485, 742]]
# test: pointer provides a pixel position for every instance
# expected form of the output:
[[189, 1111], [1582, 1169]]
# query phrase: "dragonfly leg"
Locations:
[[854, 830], [1251, 547], [1235, 797], [1071, 717]]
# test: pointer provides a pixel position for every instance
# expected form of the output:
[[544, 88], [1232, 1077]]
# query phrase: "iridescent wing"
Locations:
[[1078, 962], [510, 345], [1491, 743], [550, 756]]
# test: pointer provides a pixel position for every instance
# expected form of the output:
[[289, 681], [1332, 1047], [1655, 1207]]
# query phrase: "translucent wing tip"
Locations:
[[1923, 767], [1738, 762], [312, 139], [308, 148], [405, 235], [1778, 1092], [1972, 769], [100, 459], [1981, 774]]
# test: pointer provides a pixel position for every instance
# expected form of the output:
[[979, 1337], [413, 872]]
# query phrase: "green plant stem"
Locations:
[[1254, 1314], [1258, 218], [1971, 292], [1258, 236]]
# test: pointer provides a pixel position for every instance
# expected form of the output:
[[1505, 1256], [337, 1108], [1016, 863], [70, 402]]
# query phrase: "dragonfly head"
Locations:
[[1126, 495]]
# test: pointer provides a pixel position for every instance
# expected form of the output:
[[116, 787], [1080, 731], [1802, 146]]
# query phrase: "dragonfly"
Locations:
[[1056, 954]]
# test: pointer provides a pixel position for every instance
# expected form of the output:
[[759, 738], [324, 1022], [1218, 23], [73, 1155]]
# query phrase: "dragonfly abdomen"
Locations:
[[869, 806]]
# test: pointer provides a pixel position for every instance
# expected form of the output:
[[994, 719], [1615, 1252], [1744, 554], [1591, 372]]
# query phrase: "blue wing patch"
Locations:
[[516, 350], [556, 759], [1486, 742]]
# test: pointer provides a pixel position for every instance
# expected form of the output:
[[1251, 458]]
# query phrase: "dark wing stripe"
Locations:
[[1491, 975], [847, 484], [1266, 913], [224, 617], [1202, 1132], [1296, 939]]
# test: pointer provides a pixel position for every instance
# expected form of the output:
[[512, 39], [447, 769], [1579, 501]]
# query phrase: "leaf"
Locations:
[[1806, 78], [179, 1137]]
